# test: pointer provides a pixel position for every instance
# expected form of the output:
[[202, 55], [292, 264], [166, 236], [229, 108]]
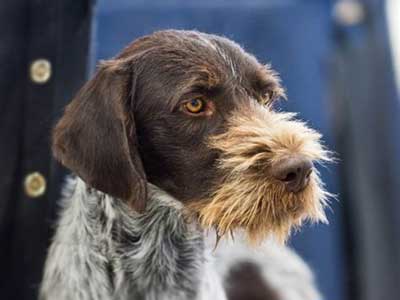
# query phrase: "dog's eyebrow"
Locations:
[[195, 89], [266, 80]]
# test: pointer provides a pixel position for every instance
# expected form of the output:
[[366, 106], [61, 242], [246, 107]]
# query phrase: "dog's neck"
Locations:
[[104, 250]]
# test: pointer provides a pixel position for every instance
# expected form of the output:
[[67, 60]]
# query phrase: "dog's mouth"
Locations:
[[250, 196], [261, 207]]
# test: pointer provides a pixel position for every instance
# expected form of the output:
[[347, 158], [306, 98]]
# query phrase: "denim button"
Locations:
[[348, 12]]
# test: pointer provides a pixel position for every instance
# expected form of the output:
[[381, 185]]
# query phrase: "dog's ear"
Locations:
[[96, 136]]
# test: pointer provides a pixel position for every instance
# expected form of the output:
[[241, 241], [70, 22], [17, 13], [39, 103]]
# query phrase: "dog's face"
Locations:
[[192, 113]]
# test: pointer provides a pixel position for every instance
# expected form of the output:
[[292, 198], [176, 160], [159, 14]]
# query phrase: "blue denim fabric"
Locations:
[[368, 127]]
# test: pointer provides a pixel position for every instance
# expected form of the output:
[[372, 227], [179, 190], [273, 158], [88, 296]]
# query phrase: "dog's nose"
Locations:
[[294, 172]]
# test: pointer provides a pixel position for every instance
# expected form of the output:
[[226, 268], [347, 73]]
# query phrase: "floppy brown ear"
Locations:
[[96, 137]]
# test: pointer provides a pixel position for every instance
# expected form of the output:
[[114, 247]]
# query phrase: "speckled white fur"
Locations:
[[102, 250]]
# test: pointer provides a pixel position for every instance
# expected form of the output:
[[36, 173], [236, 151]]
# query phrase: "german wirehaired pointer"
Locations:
[[173, 138]]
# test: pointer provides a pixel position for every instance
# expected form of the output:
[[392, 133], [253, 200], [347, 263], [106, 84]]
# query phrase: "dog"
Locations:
[[175, 137]]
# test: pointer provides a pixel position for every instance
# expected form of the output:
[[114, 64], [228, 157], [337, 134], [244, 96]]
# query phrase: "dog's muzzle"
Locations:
[[268, 181]]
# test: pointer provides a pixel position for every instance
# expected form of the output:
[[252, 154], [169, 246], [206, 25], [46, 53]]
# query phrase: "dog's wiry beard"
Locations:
[[248, 197]]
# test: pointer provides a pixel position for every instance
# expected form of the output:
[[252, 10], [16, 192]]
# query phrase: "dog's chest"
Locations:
[[102, 250], [157, 255]]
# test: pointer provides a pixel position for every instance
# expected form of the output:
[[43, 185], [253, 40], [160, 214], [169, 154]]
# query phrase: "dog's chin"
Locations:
[[261, 208]]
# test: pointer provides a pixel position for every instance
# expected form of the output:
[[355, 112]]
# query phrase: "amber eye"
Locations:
[[263, 101], [267, 98], [194, 106], [271, 96]]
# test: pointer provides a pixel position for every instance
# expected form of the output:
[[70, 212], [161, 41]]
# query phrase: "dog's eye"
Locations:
[[263, 101], [194, 106], [198, 107], [267, 98]]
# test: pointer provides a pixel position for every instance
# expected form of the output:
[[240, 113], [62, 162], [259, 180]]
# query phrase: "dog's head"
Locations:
[[192, 113]]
